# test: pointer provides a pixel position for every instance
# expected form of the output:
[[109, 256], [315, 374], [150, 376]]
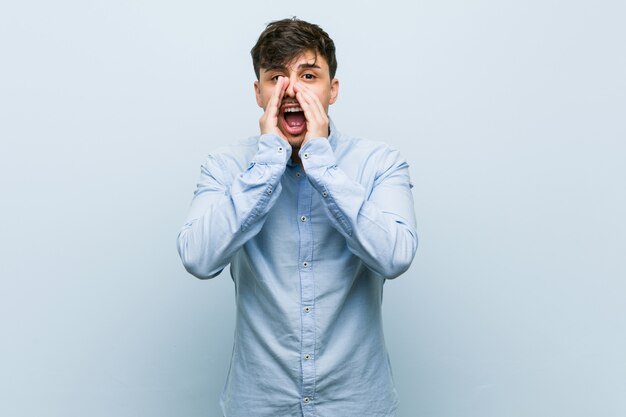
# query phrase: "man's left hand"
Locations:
[[314, 112]]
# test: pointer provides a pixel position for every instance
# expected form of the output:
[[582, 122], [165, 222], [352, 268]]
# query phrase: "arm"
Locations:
[[224, 213], [379, 228]]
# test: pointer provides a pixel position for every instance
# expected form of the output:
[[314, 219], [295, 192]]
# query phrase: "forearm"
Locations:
[[378, 224], [225, 214]]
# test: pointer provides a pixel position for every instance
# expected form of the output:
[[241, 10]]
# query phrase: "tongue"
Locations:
[[295, 119]]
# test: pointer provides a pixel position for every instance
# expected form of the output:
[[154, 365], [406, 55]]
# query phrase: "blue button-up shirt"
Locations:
[[310, 247]]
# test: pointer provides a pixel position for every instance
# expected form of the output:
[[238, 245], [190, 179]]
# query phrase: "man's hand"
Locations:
[[314, 112], [269, 120]]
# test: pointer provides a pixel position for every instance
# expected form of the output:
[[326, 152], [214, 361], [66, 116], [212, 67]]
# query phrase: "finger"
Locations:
[[314, 108], [284, 83], [274, 103], [269, 119], [302, 93], [315, 123], [305, 103], [313, 98]]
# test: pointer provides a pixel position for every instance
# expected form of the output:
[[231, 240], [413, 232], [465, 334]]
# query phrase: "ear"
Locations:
[[334, 90], [257, 93]]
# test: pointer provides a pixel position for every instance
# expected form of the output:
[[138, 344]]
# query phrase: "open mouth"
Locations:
[[293, 120]]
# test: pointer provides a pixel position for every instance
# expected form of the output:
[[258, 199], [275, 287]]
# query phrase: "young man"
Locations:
[[312, 223]]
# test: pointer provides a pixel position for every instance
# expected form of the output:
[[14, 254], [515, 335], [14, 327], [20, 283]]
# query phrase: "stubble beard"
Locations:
[[295, 141]]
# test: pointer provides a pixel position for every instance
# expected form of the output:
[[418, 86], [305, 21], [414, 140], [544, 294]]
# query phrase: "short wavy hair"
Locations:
[[283, 40]]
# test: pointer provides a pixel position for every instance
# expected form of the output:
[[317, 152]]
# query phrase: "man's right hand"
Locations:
[[269, 121]]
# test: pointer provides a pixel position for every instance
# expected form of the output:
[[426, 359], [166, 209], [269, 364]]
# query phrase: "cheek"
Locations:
[[324, 97], [264, 95], [323, 94], [264, 98]]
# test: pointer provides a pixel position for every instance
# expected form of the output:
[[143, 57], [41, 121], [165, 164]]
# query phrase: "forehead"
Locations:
[[307, 57]]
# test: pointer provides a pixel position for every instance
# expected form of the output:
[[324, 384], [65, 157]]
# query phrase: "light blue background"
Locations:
[[511, 113]]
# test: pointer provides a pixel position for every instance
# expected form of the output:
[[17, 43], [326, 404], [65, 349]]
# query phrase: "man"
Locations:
[[312, 223]]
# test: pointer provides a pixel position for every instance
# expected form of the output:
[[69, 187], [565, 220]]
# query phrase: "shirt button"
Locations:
[[307, 309], [305, 264], [307, 357], [324, 194], [297, 174], [269, 191], [303, 218], [306, 155], [280, 149], [306, 400]]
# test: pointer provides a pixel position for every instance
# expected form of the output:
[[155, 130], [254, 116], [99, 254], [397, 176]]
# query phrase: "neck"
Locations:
[[295, 157]]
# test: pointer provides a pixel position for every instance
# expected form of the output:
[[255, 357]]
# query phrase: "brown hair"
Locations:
[[283, 40]]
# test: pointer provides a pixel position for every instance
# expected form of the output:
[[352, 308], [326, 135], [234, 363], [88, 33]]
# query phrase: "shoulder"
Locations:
[[368, 154], [234, 156], [224, 163]]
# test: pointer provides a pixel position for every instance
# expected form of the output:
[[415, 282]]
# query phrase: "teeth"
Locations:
[[292, 109]]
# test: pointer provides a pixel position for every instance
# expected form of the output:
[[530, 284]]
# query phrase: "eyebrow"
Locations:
[[301, 66], [312, 65]]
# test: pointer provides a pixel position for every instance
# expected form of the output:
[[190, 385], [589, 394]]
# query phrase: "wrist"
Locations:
[[273, 149]]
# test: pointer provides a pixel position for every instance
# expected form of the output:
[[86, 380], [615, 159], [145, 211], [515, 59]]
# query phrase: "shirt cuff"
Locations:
[[272, 150], [317, 153]]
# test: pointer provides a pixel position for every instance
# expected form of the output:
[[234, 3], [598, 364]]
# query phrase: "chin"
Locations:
[[295, 141]]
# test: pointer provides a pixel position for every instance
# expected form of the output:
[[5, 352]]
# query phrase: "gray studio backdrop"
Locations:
[[511, 114]]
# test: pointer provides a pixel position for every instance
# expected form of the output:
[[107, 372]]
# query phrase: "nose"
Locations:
[[289, 91]]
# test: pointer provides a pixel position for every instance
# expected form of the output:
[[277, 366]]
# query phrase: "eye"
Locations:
[[309, 76], [275, 77]]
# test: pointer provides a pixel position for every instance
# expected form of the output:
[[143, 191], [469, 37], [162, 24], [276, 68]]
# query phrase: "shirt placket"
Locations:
[[307, 296]]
